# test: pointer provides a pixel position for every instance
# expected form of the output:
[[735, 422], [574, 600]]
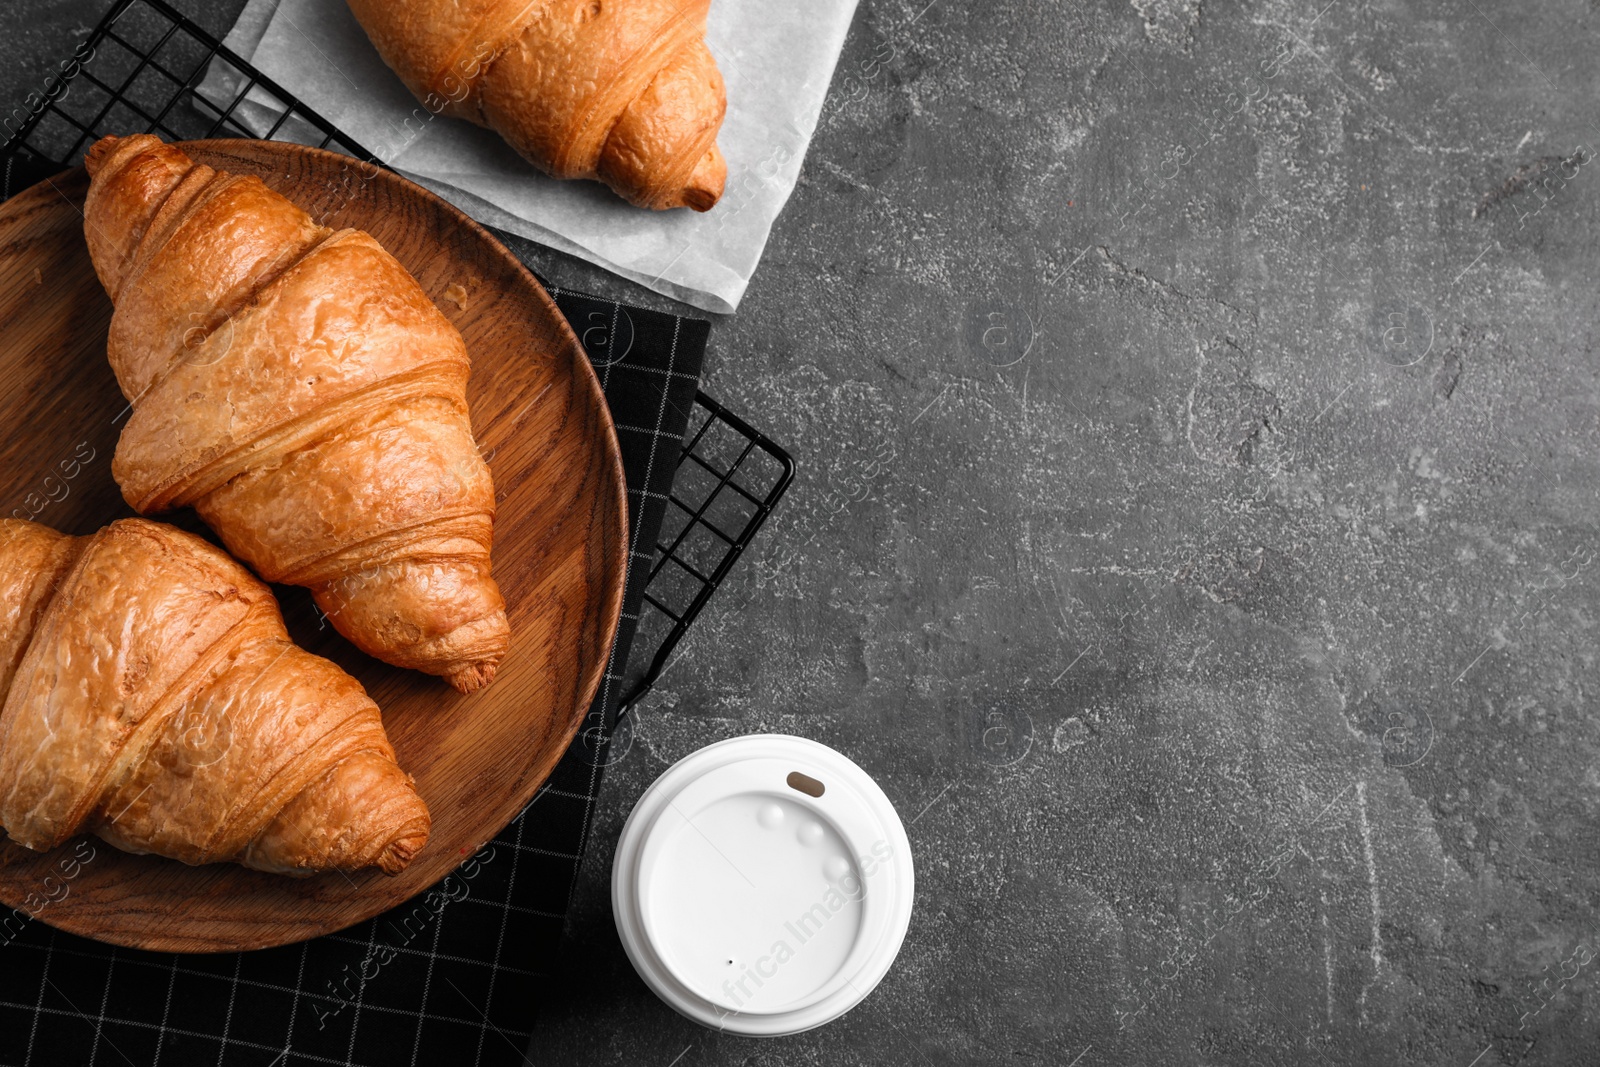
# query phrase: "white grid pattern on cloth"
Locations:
[[294, 1000], [361, 990], [39, 1010], [166, 1011], [181, 1032], [297, 988], [105, 999], [499, 944], [427, 987], [233, 996], [38, 1007]]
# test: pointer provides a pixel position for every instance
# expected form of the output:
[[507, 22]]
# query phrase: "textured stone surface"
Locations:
[[1196, 532]]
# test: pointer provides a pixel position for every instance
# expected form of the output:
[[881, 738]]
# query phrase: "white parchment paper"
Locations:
[[776, 57]]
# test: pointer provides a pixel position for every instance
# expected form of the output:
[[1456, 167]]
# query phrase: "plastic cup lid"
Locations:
[[763, 885]]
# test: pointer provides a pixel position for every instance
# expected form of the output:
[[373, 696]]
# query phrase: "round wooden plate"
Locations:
[[560, 549]]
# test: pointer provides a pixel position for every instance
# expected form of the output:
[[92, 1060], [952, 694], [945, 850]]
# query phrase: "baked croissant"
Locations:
[[620, 90], [297, 387], [153, 698]]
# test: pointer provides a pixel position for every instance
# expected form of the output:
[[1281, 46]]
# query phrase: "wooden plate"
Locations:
[[560, 548]]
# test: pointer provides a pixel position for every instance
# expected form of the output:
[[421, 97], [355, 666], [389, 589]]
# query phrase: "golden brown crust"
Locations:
[[35, 559], [296, 386], [160, 704], [624, 91]]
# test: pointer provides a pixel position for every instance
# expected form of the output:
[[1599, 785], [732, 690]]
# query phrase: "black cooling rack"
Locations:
[[696, 552], [449, 993], [140, 69]]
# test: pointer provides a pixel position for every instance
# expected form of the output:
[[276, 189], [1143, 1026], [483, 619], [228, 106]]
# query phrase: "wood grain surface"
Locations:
[[560, 547]]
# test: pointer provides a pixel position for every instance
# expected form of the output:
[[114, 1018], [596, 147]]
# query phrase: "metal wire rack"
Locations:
[[149, 67], [730, 476], [142, 68]]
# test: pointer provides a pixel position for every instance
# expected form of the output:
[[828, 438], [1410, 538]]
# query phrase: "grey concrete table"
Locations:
[[1196, 532]]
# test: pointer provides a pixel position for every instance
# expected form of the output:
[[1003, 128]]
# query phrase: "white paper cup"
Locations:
[[763, 885]]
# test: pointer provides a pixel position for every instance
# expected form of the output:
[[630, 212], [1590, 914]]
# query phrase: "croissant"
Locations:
[[153, 698], [620, 90], [297, 387]]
